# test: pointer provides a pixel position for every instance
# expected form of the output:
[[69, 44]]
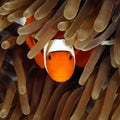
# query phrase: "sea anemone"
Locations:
[[28, 92]]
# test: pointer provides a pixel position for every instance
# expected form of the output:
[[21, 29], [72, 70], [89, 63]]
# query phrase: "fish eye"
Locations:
[[70, 57], [49, 57]]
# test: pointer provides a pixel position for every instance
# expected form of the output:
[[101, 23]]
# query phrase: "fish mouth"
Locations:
[[60, 78]]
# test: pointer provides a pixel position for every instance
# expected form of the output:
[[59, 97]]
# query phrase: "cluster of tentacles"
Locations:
[[28, 93]]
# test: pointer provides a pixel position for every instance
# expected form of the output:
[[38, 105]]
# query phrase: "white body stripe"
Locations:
[[21, 21], [57, 45]]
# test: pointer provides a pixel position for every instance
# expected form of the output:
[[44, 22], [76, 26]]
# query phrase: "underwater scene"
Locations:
[[59, 59]]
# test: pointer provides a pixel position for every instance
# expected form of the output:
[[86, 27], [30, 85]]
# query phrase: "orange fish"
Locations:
[[57, 58]]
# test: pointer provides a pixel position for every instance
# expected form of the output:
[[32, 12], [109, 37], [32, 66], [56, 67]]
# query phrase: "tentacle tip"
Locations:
[[81, 82], [3, 113], [18, 42], [69, 16], [29, 55], [27, 14], [94, 96], [26, 111], [99, 26], [39, 16], [5, 45]]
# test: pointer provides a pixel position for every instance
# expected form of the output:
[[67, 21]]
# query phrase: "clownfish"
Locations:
[[57, 58]]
